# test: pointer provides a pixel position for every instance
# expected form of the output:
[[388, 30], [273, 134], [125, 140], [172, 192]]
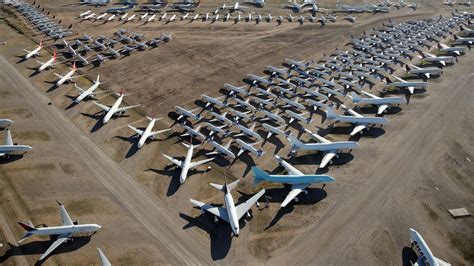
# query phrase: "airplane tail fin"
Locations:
[[387, 80], [407, 67], [97, 80], [455, 36], [330, 113], [228, 144], [295, 142], [28, 226], [8, 138], [55, 55], [355, 98], [258, 175], [227, 187]]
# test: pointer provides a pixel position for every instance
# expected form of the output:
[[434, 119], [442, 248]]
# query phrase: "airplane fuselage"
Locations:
[[33, 53], [112, 110], [48, 63], [67, 229], [146, 134], [87, 93], [67, 77], [232, 213], [338, 145], [185, 167]]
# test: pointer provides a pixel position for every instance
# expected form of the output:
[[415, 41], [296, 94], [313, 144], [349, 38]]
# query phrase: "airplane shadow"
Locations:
[[173, 173], [134, 141], [11, 158], [39, 247], [35, 72], [220, 233], [247, 159], [97, 116], [409, 257], [314, 196]]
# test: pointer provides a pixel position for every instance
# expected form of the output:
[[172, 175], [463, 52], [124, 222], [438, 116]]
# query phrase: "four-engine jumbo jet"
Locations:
[[115, 108], [298, 181], [382, 103], [87, 93], [426, 256], [360, 122], [68, 77], [330, 149], [10, 148], [63, 233], [5, 123], [409, 85], [186, 164], [230, 213], [147, 133], [35, 52]]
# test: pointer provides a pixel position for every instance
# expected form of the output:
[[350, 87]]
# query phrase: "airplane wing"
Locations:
[[39, 62], [103, 259], [295, 191], [78, 88], [27, 51], [244, 207], [427, 75], [357, 129], [411, 89], [196, 164], [65, 219], [106, 108], [59, 76], [382, 109], [138, 131], [123, 109], [74, 77], [56, 244], [217, 211], [159, 131], [327, 158], [173, 160]]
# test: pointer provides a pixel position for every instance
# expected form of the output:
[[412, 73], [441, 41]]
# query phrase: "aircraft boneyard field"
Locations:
[[406, 174]]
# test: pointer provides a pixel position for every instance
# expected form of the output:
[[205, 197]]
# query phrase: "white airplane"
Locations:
[[300, 117], [132, 17], [193, 132], [90, 92], [5, 122], [186, 164], [425, 71], [230, 213], [233, 90], [103, 259], [267, 93], [274, 130], [187, 113], [10, 148], [316, 104], [64, 232], [410, 85], [448, 49], [217, 129], [271, 116], [48, 64], [259, 80], [330, 149], [214, 101], [244, 146], [85, 13], [298, 181], [115, 108], [314, 93], [112, 17], [361, 122], [147, 133], [284, 91], [291, 103], [219, 149], [382, 103], [245, 104], [35, 52], [150, 19], [242, 115], [443, 60], [101, 16], [172, 18], [426, 256], [68, 77], [221, 118], [250, 132]]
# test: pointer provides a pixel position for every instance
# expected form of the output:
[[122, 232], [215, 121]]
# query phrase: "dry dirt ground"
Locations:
[[405, 175]]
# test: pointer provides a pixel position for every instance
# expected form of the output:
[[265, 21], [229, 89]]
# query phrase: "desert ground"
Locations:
[[407, 174]]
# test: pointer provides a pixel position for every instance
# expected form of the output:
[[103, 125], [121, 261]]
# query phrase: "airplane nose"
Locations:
[[99, 227]]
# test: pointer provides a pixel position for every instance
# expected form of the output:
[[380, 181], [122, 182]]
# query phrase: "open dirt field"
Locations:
[[405, 175]]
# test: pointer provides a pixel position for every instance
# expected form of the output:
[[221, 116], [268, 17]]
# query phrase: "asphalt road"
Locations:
[[175, 244]]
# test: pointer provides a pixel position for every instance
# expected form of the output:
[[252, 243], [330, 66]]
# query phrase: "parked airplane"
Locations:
[[382, 103], [300, 117], [217, 129], [35, 52], [48, 64], [298, 181], [230, 213], [244, 104], [443, 60], [259, 80], [115, 108], [193, 132], [87, 93], [214, 101], [233, 90], [186, 164], [274, 130], [187, 113], [426, 71], [360, 122], [453, 50], [103, 259], [147, 133], [271, 116], [9, 147], [221, 118], [63, 233], [219, 149], [426, 256], [329, 148], [5, 122], [244, 146], [409, 85], [463, 40], [68, 77]]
